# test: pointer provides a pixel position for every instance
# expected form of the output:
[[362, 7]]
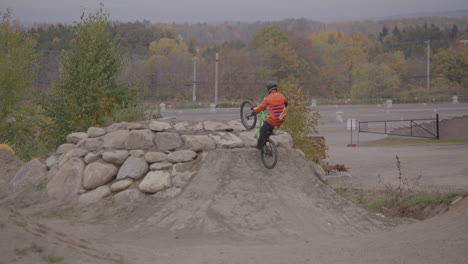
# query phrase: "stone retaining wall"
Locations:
[[131, 159]]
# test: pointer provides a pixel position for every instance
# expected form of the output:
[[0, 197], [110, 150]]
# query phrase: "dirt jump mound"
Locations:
[[233, 195]]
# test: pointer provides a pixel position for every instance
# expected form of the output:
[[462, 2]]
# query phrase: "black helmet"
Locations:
[[271, 85]]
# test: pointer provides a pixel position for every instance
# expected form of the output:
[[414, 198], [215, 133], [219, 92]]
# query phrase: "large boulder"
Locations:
[[116, 157], [94, 132], [29, 176], [236, 125], [283, 139], [161, 166], [124, 126], [198, 143], [98, 173], [66, 183], [227, 140], [140, 139], [154, 157], [181, 126], [249, 138], [91, 157], [116, 139], [159, 126], [76, 152], [134, 168], [74, 138], [52, 160], [216, 126], [64, 148], [155, 181], [121, 185], [181, 156], [167, 141], [91, 144], [95, 195]]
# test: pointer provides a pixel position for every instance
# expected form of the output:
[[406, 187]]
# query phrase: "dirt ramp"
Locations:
[[233, 194]]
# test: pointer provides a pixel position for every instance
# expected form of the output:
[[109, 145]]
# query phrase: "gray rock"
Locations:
[[215, 126], [116, 139], [66, 183], [127, 196], [140, 139], [181, 156], [124, 126], [283, 139], [227, 140], [94, 132], [98, 173], [167, 141], [159, 126], [181, 180], [117, 157], [236, 125], [160, 166], [134, 168], [196, 128], [249, 138], [64, 148], [153, 157], [198, 143], [29, 176], [155, 181], [181, 126], [121, 185], [137, 153], [168, 193], [76, 152], [76, 137], [95, 196], [91, 157], [52, 160], [91, 144]]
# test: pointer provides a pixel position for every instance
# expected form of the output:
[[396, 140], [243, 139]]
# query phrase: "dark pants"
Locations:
[[265, 132]]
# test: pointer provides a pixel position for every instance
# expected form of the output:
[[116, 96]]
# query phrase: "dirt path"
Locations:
[[233, 211]]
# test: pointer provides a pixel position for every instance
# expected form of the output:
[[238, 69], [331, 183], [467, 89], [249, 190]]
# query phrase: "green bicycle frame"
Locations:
[[261, 119]]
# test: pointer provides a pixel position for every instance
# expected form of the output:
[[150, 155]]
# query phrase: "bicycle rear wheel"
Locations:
[[269, 154], [248, 117]]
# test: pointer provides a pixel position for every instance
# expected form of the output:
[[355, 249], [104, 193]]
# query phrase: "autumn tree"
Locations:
[[279, 60], [452, 64], [88, 88], [17, 61]]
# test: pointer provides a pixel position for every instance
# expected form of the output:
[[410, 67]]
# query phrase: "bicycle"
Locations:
[[269, 152]]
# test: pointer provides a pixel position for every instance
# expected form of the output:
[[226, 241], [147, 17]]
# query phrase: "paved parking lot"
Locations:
[[439, 166]]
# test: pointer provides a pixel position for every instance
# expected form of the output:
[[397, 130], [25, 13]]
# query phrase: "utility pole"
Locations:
[[216, 79], [428, 64], [194, 78]]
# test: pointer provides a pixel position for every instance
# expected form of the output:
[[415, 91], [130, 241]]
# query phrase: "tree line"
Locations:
[[357, 60], [57, 79]]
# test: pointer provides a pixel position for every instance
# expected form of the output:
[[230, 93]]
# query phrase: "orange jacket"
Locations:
[[276, 103]]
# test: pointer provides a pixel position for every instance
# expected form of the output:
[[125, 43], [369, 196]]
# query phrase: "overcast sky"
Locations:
[[193, 11]]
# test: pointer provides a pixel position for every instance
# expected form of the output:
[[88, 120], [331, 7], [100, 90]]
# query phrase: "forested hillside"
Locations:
[[366, 60]]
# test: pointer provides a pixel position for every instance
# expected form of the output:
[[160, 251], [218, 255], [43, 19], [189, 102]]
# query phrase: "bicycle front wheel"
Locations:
[[269, 154], [248, 117]]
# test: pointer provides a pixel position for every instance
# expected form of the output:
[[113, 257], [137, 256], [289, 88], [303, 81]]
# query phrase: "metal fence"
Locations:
[[422, 128]]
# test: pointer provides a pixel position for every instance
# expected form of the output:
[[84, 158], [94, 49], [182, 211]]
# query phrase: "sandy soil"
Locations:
[[234, 211]]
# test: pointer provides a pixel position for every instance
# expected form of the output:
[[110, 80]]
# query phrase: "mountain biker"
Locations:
[[276, 103]]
